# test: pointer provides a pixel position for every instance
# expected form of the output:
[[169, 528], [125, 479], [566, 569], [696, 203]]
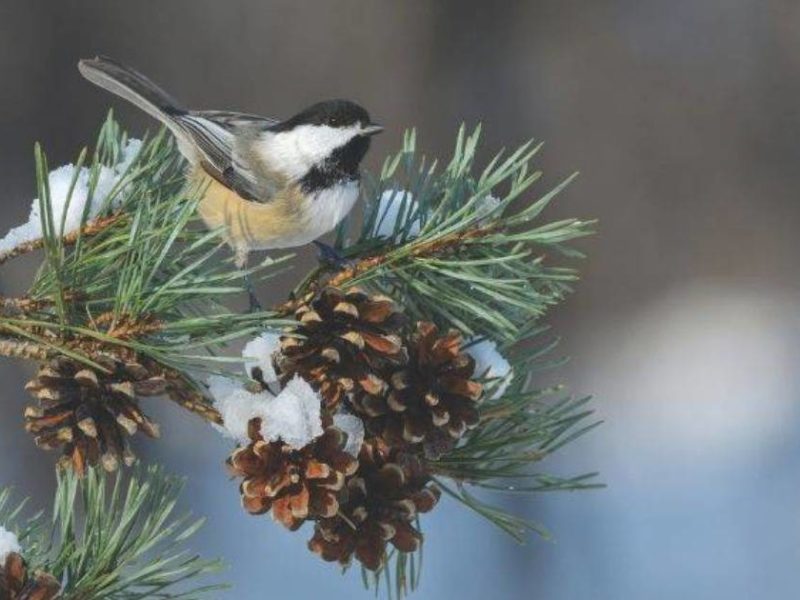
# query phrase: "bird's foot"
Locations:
[[255, 305], [328, 255]]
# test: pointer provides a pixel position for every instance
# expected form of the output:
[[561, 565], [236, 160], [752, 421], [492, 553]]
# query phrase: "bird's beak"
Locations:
[[371, 129]]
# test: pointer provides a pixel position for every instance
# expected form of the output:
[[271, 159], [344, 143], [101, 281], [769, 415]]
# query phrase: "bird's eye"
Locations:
[[333, 121]]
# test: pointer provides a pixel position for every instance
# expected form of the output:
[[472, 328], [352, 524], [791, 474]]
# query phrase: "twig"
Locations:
[[89, 229], [424, 249], [125, 327], [23, 349], [24, 306], [180, 390], [14, 307], [429, 248]]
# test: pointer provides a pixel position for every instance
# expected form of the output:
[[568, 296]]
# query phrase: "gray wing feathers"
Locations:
[[250, 165], [221, 140], [235, 120], [214, 143]]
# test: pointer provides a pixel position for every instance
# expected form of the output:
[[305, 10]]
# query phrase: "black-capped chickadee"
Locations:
[[267, 183]]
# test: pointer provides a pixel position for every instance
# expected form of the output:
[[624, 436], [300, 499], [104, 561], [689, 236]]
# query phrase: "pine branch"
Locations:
[[143, 281], [465, 253], [89, 229], [519, 429], [14, 348], [143, 275], [128, 543], [180, 388], [431, 248], [457, 253], [24, 306]]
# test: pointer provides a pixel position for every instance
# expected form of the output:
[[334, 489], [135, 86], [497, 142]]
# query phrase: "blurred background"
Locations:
[[682, 117]]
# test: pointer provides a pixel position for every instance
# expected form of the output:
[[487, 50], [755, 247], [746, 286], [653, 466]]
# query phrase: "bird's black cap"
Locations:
[[334, 113]]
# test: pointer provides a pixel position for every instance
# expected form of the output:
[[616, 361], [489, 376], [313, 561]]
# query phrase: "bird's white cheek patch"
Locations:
[[295, 152]]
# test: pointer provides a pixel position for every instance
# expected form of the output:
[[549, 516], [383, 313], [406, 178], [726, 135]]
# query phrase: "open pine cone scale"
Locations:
[[432, 398], [377, 507], [17, 583], [90, 413], [295, 484], [343, 340]]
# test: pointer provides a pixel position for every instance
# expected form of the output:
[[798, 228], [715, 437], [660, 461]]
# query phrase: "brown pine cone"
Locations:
[[17, 584], [295, 484], [432, 398], [89, 412], [347, 338], [378, 506]]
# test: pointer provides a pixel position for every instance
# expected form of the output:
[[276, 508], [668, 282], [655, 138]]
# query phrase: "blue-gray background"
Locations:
[[682, 117]]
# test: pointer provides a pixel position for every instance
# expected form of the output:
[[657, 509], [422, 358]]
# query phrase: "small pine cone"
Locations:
[[16, 583], [89, 412], [295, 484], [432, 399], [378, 506], [346, 339]]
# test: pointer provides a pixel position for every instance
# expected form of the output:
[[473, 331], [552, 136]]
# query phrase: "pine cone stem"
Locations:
[[185, 394]]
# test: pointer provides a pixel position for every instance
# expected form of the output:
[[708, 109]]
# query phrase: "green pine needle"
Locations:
[[114, 538], [466, 251], [496, 281], [490, 284], [152, 260]]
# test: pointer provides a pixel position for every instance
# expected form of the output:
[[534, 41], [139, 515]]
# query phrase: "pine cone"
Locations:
[[17, 584], [347, 339], [432, 399], [378, 506], [89, 412], [295, 484]]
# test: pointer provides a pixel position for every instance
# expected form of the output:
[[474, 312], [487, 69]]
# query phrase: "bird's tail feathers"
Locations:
[[130, 85], [137, 89]]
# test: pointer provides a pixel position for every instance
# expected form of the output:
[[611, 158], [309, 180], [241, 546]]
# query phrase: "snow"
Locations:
[[293, 416], [258, 354], [237, 406], [71, 212], [400, 204], [354, 428], [393, 205], [490, 364], [486, 207], [8, 544]]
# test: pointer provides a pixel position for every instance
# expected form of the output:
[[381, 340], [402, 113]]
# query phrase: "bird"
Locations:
[[265, 183]]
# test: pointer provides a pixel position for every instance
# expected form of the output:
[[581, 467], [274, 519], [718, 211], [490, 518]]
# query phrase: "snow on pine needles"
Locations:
[[71, 189]]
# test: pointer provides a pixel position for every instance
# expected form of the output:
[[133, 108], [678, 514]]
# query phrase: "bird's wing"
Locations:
[[234, 120], [248, 168], [218, 136]]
